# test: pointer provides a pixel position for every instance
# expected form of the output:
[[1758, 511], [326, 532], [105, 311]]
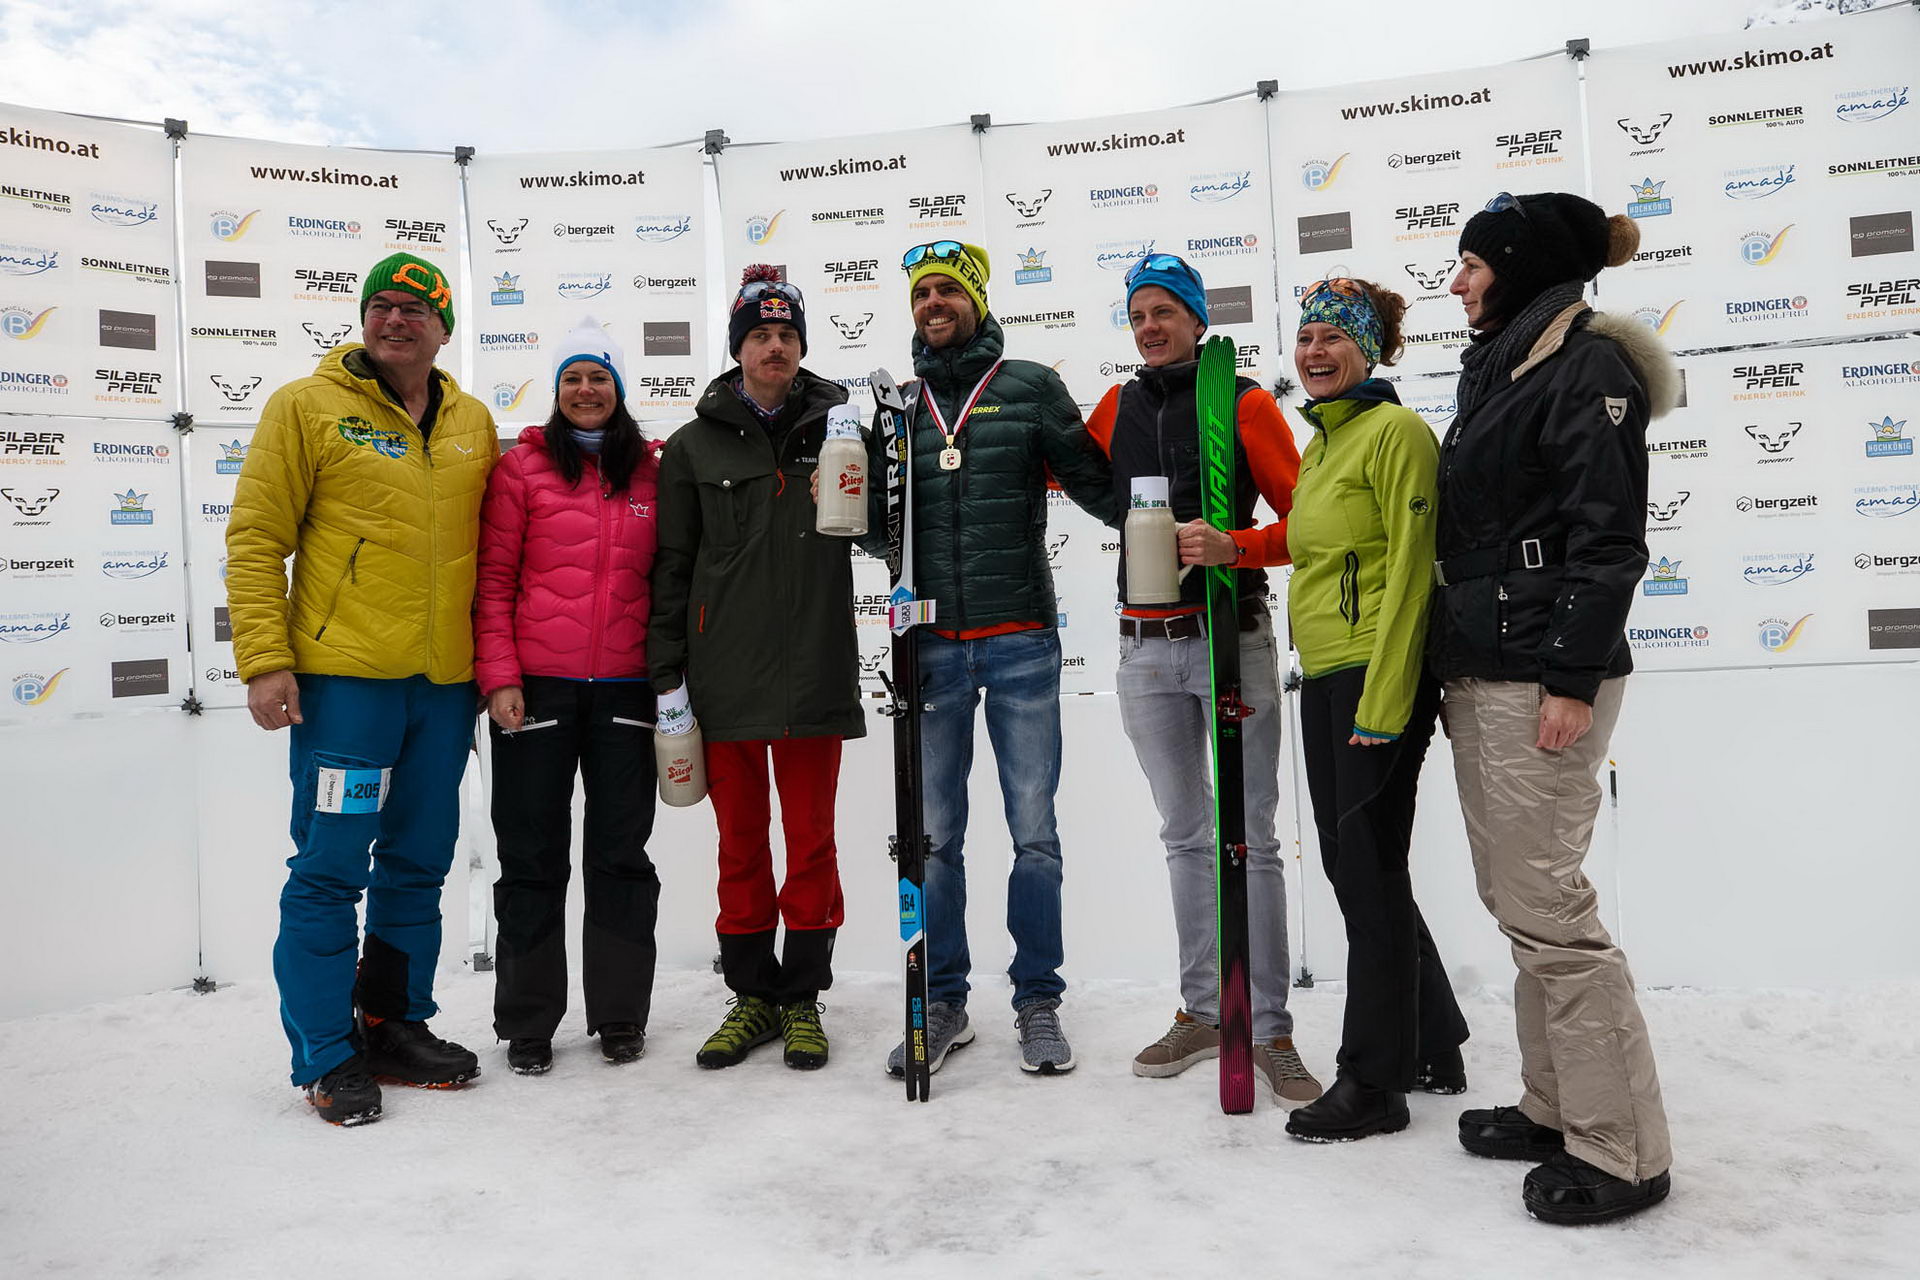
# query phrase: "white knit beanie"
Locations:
[[588, 341]]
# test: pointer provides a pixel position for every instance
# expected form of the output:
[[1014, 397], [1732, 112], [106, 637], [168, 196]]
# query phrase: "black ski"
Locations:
[[909, 845]]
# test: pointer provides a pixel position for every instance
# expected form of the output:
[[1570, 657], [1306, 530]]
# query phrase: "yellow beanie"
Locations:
[[969, 267]]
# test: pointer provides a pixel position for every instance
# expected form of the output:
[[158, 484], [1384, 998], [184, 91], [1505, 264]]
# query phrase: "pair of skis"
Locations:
[[909, 847]]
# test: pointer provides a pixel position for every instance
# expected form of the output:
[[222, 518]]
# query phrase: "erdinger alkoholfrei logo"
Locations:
[[1645, 130], [21, 324], [507, 233], [507, 291], [1318, 175], [762, 226], [360, 433], [852, 326], [232, 456], [234, 391], [1647, 201], [1028, 204], [1663, 579], [659, 228], [229, 226], [326, 337], [1758, 248], [1033, 268], [1888, 439]]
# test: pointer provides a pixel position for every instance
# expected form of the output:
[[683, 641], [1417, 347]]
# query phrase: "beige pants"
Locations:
[[1585, 1058]]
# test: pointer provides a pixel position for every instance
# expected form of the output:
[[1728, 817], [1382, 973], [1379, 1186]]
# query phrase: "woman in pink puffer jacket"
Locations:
[[567, 540]]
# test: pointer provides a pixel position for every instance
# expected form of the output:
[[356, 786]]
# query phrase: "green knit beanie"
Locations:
[[409, 274]]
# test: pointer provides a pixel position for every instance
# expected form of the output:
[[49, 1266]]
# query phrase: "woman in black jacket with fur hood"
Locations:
[[1541, 540]]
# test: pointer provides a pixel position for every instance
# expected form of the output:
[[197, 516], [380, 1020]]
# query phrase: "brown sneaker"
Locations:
[[1279, 1064], [1189, 1041]]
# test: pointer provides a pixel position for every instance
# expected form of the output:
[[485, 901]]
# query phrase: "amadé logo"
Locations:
[[1757, 182], [1212, 188], [1775, 570]]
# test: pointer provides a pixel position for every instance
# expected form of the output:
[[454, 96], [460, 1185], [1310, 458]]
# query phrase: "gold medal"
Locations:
[[949, 459]]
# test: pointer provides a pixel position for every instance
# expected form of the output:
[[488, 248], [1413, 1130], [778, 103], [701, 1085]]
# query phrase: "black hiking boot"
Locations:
[[1348, 1112], [1444, 1073], [346, 1095], [622, 1042], [529, 1056], [407, 1053]]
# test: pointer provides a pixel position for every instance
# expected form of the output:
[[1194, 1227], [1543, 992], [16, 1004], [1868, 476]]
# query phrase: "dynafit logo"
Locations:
[[506, 232], [1318, 175], [507, 397], [231, 226], [1645, 130], [1431, 275], [1029, 204], [21, 324], [761, 227], [326, 337], [1758, 248]]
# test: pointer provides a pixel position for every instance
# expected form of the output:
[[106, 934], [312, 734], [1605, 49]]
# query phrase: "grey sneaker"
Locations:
[[947, 1030], [1043, 1045], [1189, 1041], [1280, 1066]]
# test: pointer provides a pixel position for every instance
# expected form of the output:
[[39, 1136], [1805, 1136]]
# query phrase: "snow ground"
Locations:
[[156, 1136]]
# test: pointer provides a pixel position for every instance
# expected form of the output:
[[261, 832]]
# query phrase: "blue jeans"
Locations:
[[376, 769], [1020, 673]]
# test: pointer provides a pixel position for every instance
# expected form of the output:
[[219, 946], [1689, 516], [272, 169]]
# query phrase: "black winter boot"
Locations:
[[346, 1095], [1442, 1073], [1568, 1191], [1508, 1133], [407, 1052], [529, 1056], [622, 1042], [1349, 1111]]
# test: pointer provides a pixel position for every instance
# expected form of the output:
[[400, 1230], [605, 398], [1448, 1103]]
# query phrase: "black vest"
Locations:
[[1156, 432]]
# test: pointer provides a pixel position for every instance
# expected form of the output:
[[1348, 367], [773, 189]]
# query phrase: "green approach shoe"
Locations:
[[806, 1040], [749, 1023]]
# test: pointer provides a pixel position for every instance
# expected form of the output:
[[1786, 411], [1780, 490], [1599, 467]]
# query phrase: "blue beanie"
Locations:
[[1168, 272], [588, 341]]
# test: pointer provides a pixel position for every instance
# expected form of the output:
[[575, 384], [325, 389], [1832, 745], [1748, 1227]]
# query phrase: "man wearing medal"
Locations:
[[986, 431]]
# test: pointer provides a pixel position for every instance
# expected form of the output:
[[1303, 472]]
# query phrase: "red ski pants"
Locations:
[[807, 772]]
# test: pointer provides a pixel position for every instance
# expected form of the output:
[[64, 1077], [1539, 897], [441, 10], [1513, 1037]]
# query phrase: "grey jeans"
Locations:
[[1165, 702]]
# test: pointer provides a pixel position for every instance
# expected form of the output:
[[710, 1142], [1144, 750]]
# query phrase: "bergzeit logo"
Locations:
[[1889, 439], [665, 284], [1800, 504], [1647, 201], [1775, 570], [1673, 255], [1873, 562], [1757, 182], [1427, 161], [38, 567], [584, 233], [1213, 188], [1859, 106]]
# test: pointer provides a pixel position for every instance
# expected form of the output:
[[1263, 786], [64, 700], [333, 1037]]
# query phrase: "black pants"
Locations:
[[801, 971], [605, 730], [1400, 1007]]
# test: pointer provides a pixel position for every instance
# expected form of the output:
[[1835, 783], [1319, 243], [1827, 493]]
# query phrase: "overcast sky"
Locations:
[[521, 75]]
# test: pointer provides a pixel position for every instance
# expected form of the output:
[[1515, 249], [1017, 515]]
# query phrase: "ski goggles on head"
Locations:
[[757, 289], [1504, 201], [937, 251], [1348, 307], [1159, 262]]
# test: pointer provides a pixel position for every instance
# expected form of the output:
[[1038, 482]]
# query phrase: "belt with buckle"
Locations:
[[1185, 626], [1531, 553]]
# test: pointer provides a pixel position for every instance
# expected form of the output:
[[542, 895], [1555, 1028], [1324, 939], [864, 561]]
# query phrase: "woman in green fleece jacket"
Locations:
[[1361, 538]]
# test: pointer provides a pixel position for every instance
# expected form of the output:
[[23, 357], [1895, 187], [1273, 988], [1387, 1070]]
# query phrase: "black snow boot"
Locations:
[[346, 1095], [1568, 1191], [408, 1053], [529, 1056], [1349, 1111], [1442, 1073], [622, 1042], [1508, 1133]]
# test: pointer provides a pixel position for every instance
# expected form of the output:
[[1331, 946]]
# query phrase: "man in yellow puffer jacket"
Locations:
[[369, 474]]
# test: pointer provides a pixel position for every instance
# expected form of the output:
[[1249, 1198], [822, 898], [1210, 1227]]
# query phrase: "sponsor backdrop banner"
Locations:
[[558, 236], [835, 216], [1775, 174], [87, 316], [1377, 180], [214, 455], [1071, 206], [278, 240], [92, 619], [1783, 512]]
